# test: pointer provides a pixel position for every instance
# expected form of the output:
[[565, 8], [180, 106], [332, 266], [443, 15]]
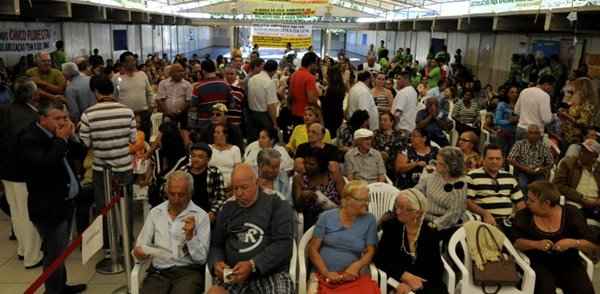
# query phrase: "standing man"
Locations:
[[533, 106], [96, 59], [360, 98], [531, 158], [404, 107], [262, 100], [78, 93], [236, 112], [133, 89], [14, 118], [174, 95], [52, 185], [303, 88], [50, 81], [59, 57]]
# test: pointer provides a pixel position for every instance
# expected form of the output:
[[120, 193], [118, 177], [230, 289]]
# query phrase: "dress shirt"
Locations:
[[158, 232], [79, 96], [537, 154], [364, 166], [360, 98], [261, 92], [252, 150], [406, 103], [533, 107], [176, 94]]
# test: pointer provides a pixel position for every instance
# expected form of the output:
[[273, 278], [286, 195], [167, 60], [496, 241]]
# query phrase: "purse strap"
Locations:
[[493, 238]]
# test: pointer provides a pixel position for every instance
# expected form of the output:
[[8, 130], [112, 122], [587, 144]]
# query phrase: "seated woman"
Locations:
[[466, 113], [318, 177], [387, 140], [267, 139], [224, 155], [344, 238], [551, 235], [446, 189], [312, 114], [468, 142], [409, 162], [345, 136], [408, 251]]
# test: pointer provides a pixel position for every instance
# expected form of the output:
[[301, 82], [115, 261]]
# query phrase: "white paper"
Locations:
[[156, 252], [92, 240]]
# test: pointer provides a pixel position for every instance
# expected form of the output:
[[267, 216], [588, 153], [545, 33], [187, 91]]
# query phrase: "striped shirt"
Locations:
[[495, 195], [446, 208], [206, 94], [108, 128], [466, 115]]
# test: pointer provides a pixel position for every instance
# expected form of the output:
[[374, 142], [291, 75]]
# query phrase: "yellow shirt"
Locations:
[[300, 136], [54, 76], [587, 185]]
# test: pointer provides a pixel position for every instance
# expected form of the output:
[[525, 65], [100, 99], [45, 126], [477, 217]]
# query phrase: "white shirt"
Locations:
[[160, 232], [133, 91], [360, 98], [405, 102], [261, 92], [372, 69], [225, 160], [533, 107], [252, 150]]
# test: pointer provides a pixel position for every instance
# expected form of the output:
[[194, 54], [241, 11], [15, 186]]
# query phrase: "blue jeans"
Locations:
[[525, 179]]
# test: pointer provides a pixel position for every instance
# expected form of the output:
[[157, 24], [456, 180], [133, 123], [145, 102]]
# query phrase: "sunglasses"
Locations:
[[456, 186]]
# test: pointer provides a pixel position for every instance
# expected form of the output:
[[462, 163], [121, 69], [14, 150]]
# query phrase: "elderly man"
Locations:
[[174, 95], [14, 118], [531, 158], [176, 235], [362, 161], [316, 133], [578, 178], [209, 188], [252, 241], [493, 193], [78, 93], [50, 81], [270, 176]]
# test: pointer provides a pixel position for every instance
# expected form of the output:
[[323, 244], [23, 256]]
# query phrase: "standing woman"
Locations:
[[333, 102], [224, 155], [506, 119], [383, 96], [583, 104]]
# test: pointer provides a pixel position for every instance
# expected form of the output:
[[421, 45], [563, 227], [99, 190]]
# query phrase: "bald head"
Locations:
[[244, 185], [176, 72]]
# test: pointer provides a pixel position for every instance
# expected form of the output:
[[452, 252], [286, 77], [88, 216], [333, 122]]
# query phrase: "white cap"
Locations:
[[362, 133]]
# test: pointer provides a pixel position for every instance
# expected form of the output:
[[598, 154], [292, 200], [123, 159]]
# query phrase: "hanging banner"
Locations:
[[285, 11], [270, 2], [18, 39], [277, 36], [493, 6]]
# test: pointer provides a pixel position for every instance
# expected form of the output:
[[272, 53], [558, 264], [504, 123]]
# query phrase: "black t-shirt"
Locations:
[[333, 153], [200, 196]]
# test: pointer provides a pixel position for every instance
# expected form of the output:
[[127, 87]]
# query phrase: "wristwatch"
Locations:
[[253, 265]]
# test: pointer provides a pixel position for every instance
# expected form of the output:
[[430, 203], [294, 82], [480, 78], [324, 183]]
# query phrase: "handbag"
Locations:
[[502, 272], [362, 285]]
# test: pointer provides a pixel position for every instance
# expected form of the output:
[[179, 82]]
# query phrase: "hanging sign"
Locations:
[[277, 36]]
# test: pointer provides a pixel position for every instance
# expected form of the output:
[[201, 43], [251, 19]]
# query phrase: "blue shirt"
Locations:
[[160, 232], [79, 96], [73, 182], [503, 113], [342, 246]]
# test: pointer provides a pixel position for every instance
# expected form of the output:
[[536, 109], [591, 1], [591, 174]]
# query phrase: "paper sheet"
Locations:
[[92, 240]]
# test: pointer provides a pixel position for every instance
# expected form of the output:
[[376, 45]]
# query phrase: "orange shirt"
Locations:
[[301, 82]]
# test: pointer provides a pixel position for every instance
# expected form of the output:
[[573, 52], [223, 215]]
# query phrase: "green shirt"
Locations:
[[54, 76], [58, 58], [434, 77]]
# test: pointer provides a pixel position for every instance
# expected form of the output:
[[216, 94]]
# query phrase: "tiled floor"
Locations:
[[15, 279]]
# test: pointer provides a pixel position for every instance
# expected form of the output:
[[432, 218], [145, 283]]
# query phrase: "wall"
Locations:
[[80, 38]]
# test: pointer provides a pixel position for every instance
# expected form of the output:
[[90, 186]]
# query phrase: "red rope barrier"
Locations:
[[58, 261]]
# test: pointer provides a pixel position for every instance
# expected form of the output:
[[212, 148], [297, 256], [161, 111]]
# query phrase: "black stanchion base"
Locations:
[[107, 267]]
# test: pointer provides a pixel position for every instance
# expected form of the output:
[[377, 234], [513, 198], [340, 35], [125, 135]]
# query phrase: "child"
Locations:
[[140, 164]]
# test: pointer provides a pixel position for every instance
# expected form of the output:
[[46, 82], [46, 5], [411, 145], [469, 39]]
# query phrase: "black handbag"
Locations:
[[502, 272]]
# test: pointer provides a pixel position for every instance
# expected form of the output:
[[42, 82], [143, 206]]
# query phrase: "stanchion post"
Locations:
[[112, 265], [126, 231]]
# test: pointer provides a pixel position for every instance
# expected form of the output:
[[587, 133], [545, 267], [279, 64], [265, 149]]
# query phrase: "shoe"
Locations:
[[74, 289], [40, 263], [20, 257]]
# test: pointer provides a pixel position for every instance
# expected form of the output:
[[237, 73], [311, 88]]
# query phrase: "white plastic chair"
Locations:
[[156, 119], [381, 198], [466, 285], [138, 273], [304, 263]]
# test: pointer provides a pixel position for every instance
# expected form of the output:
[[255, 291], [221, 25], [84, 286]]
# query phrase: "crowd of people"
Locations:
[[230, 152]]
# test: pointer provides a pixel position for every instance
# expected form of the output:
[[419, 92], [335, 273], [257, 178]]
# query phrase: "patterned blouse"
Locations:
[[411, 178], [329, 190], [537, 154], [389, 143], [582, 113]]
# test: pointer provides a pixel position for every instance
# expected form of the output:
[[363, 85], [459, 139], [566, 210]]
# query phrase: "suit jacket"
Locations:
[[568, 175], [14, 118], [46, 175]]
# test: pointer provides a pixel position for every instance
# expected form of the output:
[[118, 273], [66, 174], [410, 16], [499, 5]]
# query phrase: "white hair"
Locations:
[[70, 69]]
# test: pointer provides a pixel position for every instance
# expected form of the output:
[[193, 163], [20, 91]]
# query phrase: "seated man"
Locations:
[[531, 158], [176, 234], [362, 161], [316, 133], [209, 188], [270, 177], [578, 178], [492, 193], [252, 240]]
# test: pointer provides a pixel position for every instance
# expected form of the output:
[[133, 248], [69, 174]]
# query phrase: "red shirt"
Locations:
[[301, 82]]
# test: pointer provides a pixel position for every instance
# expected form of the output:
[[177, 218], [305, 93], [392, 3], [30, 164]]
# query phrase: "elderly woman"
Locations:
[[344, 238], [267, 139], [318, 178], [551, 235], [468, 142], [409, 162], [408, 251], [446, 189], [312, 114], [224, 155]]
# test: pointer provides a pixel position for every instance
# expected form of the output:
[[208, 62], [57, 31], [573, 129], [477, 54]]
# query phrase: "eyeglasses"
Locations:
[[456, 186], [361, 200]]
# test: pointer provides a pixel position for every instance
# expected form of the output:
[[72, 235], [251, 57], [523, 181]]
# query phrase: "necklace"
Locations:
[[413, 255]]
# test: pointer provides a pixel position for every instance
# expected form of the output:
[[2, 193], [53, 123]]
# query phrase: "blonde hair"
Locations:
[[316, 111], [352, 187], [585, 91]]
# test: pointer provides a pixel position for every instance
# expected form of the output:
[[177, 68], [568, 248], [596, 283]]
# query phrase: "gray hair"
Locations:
[[46, 106], [24, 88], [454, 159], [179, 174], [70, 69], [267, 155]]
